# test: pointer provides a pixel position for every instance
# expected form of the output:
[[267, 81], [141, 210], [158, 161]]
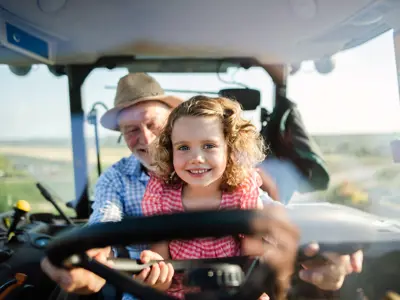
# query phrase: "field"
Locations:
[[362, 162], [21, 168]]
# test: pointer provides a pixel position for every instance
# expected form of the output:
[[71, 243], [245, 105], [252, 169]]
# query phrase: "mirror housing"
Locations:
[[20, 70], [250, 99], [325, 65]]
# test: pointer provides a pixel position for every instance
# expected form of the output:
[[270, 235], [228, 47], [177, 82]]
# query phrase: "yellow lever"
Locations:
[[23, 205]]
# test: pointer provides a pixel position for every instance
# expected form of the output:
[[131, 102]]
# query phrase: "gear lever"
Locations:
[[21, 208]]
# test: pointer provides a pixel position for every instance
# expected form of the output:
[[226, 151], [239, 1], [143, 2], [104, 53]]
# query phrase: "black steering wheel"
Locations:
[[68, 248]]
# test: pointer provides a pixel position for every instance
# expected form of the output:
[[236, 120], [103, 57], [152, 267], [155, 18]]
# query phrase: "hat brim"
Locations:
[[110, 119]]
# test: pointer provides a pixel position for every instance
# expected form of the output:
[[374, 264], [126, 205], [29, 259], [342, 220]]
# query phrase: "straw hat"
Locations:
[[132, 89]]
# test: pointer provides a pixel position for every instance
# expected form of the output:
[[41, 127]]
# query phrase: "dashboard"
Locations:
[[24, 251], [22, 255]]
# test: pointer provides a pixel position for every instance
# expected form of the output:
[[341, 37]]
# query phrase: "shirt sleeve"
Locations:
[[251, 191], [108, 202], [265, 199], [151, 203]]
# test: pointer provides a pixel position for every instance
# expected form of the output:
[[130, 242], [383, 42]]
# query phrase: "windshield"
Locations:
[[35, 140], [352, 113]]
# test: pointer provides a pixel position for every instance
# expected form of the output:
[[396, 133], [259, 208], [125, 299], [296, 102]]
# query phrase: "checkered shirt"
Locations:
[[118, 193], [162, 199]]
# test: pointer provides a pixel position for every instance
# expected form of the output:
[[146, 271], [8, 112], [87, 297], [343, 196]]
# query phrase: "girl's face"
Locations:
[[199, 150]]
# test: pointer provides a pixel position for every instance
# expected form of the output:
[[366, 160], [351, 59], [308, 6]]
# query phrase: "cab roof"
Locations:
[[272, 31]]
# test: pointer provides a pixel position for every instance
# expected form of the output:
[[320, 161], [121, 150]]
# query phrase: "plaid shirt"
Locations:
[[119, 192], [161, 199]]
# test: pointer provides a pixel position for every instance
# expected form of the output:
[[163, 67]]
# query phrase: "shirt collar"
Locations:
[[137, 169]]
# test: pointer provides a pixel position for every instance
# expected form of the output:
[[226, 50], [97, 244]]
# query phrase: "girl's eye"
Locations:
[[209, 146], [183, 148]]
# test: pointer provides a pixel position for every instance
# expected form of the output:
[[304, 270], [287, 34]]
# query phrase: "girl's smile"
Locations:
[[198, 172]]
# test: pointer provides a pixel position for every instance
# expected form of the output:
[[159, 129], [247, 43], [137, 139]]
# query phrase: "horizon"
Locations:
[[63, 139]]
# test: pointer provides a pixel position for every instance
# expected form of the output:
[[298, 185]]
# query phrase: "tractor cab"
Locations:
[[318, 78]]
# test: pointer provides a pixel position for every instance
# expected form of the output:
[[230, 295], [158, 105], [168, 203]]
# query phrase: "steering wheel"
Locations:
[[68, 248]]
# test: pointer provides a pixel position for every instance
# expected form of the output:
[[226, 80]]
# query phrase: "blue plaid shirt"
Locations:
[[119, 192]]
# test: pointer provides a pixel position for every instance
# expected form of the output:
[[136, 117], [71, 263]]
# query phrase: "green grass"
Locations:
[[22, 189], [11, 192], [19, 185], [8, 168]]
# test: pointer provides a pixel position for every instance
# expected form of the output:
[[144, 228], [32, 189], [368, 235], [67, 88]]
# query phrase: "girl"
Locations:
[[204, 159]]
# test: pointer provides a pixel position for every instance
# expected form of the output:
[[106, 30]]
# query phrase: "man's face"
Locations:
[[140, 125]]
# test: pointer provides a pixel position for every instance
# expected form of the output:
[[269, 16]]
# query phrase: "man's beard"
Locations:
[[147, 166], [145, 163]]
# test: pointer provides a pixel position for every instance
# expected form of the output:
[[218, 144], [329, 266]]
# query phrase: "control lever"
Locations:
[[21, 208], [49, 198]]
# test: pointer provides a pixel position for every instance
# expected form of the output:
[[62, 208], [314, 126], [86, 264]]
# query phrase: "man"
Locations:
[[141, 109]]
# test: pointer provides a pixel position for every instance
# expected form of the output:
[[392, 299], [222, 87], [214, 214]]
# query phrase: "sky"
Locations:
[[360, 96]]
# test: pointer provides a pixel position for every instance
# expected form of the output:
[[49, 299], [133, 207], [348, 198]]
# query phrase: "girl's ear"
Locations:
[[233, 156]]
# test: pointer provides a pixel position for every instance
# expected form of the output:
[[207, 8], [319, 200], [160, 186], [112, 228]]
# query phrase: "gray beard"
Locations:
[[146, 165]]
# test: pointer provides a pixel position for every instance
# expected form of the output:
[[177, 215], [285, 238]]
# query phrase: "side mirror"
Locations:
[[294, 68], [20, 70], [325, 65], [56, 70], [249, 99]]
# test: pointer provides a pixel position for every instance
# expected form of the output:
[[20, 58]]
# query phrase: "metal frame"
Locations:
[[77, 75]]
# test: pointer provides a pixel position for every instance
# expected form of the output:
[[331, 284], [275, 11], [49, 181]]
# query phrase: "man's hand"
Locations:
[[78, 280], [280, 247], [331, 275], [159, 276]]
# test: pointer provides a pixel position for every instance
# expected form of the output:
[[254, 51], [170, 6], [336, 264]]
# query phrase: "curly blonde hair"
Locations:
[[245, 146]]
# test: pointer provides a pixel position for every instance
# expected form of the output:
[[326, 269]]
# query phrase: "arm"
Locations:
[[159, 276], [325, 276], [268, 184], [108, 201], [162, 249], [152, 205], [250, 245], [107, 207], [254, 246]]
